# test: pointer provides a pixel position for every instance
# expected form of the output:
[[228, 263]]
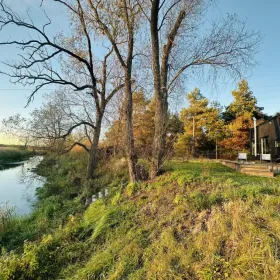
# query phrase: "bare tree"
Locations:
[[178, 44], [40, 52], [118, 21], [18, 127]]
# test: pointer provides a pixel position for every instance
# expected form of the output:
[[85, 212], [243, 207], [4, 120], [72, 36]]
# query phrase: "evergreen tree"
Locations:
[[244, 102], [216, 128], [202, 125], [239, 117]]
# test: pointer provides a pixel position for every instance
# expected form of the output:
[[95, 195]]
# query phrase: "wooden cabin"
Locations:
[[268, 139]]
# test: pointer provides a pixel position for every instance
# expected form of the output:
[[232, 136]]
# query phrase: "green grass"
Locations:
[[217, 170], [199, 220], [63, 195]]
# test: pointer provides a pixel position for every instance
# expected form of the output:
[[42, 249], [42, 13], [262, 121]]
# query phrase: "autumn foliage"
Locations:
[[207, 127]]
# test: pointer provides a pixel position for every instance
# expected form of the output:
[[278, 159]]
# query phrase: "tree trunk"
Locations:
[[216, 149], [92, 162], [193, 138], [129, 138], [159, 136], [159, 110], [128, 104]]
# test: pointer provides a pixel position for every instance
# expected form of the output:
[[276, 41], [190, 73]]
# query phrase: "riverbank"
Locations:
[[199, 220], [10, 155], [18, 182], [63, 194]]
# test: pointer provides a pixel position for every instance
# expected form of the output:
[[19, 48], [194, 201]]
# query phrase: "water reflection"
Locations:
[[18, 184]]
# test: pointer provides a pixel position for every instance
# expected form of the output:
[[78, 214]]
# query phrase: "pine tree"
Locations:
[[196, 118], [239, 117]]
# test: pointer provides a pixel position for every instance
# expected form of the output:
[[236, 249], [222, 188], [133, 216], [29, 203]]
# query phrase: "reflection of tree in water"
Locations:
[[30, 178]]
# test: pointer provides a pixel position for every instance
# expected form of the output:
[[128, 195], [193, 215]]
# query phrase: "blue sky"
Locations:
[[264, 82], [13, 98]]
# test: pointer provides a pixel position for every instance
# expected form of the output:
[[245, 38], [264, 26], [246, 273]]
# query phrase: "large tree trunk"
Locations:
[[159, 136], [92, 162], [129, 138], [159, 110], [160, 73], [128, 104], [161, 115]]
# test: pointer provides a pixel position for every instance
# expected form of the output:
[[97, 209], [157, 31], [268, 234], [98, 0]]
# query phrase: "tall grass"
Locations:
[[196, 221], [6, 214], [8, 155]]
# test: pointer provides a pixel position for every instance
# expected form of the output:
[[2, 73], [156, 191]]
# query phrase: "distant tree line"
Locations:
[[210, 127]]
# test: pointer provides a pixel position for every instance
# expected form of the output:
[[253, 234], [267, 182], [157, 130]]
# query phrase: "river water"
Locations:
[[18, 185]]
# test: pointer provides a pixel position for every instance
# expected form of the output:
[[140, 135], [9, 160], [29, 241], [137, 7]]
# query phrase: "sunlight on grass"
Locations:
[[199, 220]]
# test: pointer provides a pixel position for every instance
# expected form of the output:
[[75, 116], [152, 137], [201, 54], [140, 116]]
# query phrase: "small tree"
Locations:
[[203, 126], [19, 128], [215, 126], [195, 118], [183, 146]]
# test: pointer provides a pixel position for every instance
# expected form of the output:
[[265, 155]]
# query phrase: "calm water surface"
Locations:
[[18, 185]]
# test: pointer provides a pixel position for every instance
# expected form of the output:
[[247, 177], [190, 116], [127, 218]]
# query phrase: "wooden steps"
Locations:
[[257, 170]]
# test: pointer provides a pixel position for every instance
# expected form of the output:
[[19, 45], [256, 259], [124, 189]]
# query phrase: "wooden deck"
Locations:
[[256, 169]]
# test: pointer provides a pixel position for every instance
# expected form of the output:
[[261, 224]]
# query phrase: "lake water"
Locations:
[[18, 185]]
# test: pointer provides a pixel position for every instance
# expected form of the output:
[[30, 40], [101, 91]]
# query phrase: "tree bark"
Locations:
[[160, 135], [130, 151], [216, 149], [92, 161], [159, 110]]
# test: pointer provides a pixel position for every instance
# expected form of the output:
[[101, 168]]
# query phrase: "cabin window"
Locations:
[[277, 144]]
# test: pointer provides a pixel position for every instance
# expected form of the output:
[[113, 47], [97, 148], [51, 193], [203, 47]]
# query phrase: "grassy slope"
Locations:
[[198, 221]]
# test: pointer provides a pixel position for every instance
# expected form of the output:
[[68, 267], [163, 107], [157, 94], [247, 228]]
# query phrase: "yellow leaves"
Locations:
[[47, 239], [244, 101], [239, 129], [143, 126]]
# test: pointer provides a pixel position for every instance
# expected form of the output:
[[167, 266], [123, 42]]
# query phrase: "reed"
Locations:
[[13, 155]]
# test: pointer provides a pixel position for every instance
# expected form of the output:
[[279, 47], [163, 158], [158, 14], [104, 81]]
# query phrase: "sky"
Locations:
[[264, 81]]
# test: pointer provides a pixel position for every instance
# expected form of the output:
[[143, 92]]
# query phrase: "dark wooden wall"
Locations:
[[272, 130]]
